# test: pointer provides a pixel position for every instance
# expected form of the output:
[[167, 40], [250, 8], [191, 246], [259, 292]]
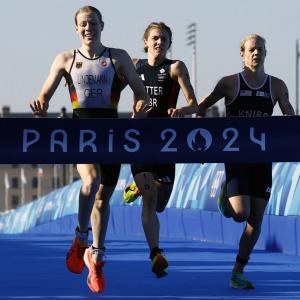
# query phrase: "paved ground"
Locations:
[[33, 267]]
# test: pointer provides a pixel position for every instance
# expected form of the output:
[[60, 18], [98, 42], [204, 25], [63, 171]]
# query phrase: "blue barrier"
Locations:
[[196, 187], [279, 233]]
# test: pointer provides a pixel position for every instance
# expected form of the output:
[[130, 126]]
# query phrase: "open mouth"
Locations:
[[89, 36]]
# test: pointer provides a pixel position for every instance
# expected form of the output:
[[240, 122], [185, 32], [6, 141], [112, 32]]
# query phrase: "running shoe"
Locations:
[[223, 200], [95, 279], [74, 258], [239, 281], [159, 263], [131, 193]]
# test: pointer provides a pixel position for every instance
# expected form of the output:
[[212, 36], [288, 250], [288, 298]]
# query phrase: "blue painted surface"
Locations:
[[33, 267]]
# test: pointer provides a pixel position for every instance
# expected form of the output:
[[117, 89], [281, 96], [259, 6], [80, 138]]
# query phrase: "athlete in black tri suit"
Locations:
[[251, 93], [162, 79], [95, 75]]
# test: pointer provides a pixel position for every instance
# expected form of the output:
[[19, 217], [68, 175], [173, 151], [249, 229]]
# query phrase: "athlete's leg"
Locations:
[[254, 180], [94, 256], [146, 184], [101, 208], [90, 177], [238, 207], [260, 184], [90, 182], [251, 232], [100, 215], [237, 191]]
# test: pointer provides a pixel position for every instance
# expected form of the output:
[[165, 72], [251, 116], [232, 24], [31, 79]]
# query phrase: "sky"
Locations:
[[35, 31]]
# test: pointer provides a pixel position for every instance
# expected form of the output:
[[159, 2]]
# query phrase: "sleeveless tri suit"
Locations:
[[163, 92], [95, 92], [250, 179]]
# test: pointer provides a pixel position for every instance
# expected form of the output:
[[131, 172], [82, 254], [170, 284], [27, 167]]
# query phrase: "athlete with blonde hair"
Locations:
[[95, 75], [250, 93]]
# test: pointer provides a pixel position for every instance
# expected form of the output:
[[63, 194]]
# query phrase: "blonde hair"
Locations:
[[88, 9], [250, 37], [160, 26]]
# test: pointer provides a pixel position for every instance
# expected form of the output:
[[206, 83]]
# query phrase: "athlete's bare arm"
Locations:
[[58, 68], [225, 88], [180, 74], [281, 95], [134, 109], [126, 72], [217, 94]]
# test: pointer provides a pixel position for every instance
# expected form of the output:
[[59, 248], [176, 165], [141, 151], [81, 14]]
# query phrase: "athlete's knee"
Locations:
[[254, 228], [240, 216], [90, 184], [149, 204]]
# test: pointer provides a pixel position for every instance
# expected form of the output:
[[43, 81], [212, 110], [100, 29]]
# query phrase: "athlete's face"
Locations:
[[158, 43], [89, 27], [254, 54]]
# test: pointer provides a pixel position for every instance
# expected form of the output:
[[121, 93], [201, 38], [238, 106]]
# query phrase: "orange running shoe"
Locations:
[[74, 259], [159, 262], [95, 279]]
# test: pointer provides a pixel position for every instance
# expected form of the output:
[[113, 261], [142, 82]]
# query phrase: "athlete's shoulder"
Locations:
[[231, 77], [277, 81], [228, 82], [177, 66], [175, 63], [63, 59], [120, 58], [64, 56], [117, 52]]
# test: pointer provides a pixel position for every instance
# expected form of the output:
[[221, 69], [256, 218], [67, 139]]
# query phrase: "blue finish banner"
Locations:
[[187, 140]]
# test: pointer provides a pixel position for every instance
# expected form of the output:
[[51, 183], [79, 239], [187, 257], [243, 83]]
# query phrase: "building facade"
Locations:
[[22, 183]]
